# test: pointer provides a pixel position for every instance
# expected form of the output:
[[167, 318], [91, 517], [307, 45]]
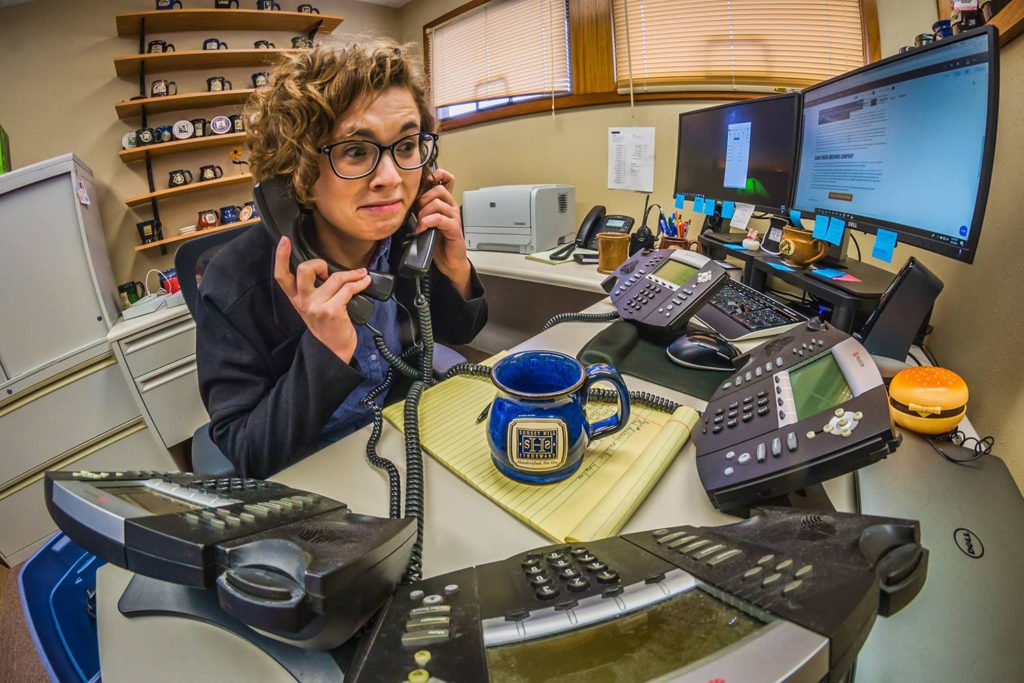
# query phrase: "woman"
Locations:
[[282, 368]]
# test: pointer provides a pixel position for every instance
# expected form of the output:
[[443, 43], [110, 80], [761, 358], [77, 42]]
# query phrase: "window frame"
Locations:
[[591, 44]]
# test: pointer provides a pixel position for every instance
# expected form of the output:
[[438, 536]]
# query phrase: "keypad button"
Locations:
[[554, 555], [762, 394], [733, 413], [791, 442], [765, 559], [722, 557], [433, 600], [595, 566], [534, 570], [689, 538], [768, 366], [776, 447], [761, 453], [662, 539], [770, 579], [747, 376], [729, 471], [530, 563], [416, 595], [792, 586], [607, 576], [710, 550], [568, 573], [718, 419], [727, 385], [751, 573], [426, 637], [546, 592], [757, 371], [577, 552], [744, 458], [577, 584], [191, 518], [734, 405], [731, 423], [451, 589], [247, 517], [693, 546], [217, 524], [730, 455], [784, 565], [805, 570], [716, 429], [561, 564], [747, 399], [539, 580], [747, 417]]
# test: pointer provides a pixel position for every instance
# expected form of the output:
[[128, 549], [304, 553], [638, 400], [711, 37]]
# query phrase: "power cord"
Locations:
[[856, 244], [980, 447]]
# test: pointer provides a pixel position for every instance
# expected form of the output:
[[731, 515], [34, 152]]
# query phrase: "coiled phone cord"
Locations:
[[394, 360], [644, 398], [581, 318], [394, 478]]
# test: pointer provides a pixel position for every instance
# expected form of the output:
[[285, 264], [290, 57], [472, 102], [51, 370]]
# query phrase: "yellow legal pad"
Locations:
[[618, 471]]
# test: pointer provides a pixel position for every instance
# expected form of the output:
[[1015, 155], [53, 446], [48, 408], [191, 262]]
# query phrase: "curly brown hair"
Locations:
[[291, 118]]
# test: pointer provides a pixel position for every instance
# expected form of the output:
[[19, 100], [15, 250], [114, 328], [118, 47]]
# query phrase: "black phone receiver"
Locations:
[[419, 252], [283, 216]]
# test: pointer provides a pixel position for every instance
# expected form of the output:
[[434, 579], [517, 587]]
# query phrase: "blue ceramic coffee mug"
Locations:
[[229, 214], [538, 427]]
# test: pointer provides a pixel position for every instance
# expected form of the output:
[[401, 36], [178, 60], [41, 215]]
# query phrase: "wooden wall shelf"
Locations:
[[198, 233], [133, 108], [191, 188], [165, 148], [1009, 21], [129, 65], [157, 21]]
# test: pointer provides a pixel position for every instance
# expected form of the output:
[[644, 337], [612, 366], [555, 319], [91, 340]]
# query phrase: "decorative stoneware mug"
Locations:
[[179, 177], [799, 248], [162, 88], [538, 429], [156, 46], [214, 44], [208, 218], [211, 172]]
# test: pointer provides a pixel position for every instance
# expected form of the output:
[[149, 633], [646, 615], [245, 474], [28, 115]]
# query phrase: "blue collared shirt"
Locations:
[[350, 416]]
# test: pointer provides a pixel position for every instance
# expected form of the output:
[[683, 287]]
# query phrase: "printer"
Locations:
[[519, 218]]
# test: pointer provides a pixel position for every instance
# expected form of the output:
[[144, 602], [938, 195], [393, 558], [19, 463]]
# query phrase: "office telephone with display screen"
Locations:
[[596, 221]]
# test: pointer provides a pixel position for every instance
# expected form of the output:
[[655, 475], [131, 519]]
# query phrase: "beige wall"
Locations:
[[59, 90]]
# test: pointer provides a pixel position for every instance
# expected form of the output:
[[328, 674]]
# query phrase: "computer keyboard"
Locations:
[[737, 311]]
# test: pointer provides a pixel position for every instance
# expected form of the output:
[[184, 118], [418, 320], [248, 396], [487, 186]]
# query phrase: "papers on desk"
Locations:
[[545, 256], [618, 471]]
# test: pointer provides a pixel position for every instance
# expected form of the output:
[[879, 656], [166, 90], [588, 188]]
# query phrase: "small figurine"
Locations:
[[751, 241]]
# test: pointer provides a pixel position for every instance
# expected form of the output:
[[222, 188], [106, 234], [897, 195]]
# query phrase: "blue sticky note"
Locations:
[[727, 209], [698, 204], [828, 273], [709, 207], [836, 228], [885, 243], [820, 227], [779, 266], [794, 218], [680, 202], [735, 247]]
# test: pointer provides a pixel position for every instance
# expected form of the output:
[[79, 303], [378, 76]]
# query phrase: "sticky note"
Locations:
[[885, 243], [829, 273], [794, 218], [836, 227], [709, 207], [820, 227], [728, 209], [680, 202], [847, 278], [698, 204], [780, 266], [735, 247]]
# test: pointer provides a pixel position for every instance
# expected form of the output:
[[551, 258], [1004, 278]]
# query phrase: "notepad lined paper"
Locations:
[[618, 471], [545, 256]]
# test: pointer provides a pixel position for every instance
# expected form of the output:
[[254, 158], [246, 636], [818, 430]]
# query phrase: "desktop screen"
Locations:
[[742, 152], [905, 144]]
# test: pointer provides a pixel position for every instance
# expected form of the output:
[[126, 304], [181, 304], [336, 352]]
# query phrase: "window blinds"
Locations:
[[505, 48], [716, 44]]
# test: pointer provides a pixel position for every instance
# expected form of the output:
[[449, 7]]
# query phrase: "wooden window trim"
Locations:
[[593, 65]]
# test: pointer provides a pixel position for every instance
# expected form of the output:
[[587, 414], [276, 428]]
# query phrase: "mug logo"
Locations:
[[537, 444], [969, 543], [703, 276]]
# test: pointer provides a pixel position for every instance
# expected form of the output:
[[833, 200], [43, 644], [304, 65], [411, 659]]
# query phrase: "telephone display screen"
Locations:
[[818, 385], [675, 272], [147, 499], [614, 223], [636, 647]]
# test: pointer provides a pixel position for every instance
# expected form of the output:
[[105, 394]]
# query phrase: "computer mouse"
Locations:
[[703, 351]]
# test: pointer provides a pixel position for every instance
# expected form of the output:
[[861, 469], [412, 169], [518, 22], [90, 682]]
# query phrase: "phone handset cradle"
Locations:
[[596, 221]]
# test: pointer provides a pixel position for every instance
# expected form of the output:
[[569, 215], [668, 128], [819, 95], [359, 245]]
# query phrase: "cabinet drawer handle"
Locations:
[[159, 336], [169, 375]]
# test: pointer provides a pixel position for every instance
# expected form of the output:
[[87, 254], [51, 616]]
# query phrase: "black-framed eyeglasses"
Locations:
[[351, 159]]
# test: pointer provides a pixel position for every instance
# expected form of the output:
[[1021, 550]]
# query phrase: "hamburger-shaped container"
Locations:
[[927, 400]]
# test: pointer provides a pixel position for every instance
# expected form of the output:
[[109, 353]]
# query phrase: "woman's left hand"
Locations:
[[437, 209]]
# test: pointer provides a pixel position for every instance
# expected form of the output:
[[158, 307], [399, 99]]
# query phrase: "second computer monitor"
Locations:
[[741, 152]]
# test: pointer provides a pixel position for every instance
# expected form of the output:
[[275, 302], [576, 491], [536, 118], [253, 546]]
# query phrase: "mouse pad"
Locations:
[[621, 346]]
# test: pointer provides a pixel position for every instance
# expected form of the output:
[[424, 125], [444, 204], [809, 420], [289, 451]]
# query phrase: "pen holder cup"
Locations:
[[538, 428], [612, 250], [679, 243]]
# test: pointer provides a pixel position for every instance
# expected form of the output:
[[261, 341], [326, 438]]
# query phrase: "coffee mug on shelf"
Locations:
[[149, 231], [183, 130], [799, 248], [248, 211], [307, 9], [210, 172], [130, 292], [229, 214], [260, 79], [302, 41], [162, 87], [208, 218], [220, 125], [267, 4], [179, 177], [236, 123], [225, 4], [163, 134], [145, 136], [129, 141], [199, 126], [168, 4], [217, 84], [156, 46], [263, 45], [538, 429], [214, 44]]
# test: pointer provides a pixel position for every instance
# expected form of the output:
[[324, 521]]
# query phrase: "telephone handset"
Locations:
[[593, 223]]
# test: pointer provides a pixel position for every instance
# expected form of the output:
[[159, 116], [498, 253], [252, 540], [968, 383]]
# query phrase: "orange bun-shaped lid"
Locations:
[[929, 386]]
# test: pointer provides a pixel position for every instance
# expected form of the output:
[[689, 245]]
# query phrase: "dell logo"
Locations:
[[969, 543]]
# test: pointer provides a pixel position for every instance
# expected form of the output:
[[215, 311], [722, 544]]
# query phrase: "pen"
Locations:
[[480, 418]]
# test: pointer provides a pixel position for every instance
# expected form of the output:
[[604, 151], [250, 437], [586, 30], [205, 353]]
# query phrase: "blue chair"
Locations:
[[190, 262]]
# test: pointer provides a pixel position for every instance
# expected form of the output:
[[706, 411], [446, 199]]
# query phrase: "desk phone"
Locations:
[[805, 406], [663, 288], [294, 565], [781, 596]]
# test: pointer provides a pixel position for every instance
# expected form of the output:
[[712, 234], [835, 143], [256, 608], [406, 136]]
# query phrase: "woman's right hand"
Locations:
[[322, 308]]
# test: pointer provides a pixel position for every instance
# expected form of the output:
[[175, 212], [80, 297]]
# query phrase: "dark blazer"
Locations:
[[268, 384]]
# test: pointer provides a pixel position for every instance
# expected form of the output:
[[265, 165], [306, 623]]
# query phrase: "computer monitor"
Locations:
[[740, 152], [906, 144]]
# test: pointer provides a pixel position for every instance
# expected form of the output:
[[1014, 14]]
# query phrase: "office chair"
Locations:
[[190, 262]]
